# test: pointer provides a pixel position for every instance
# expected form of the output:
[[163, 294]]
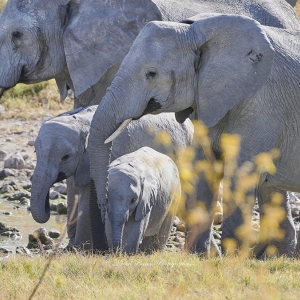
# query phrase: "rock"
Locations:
[[42, 234], [30, 165], [6, 188], [7, 213], [15, 161], [61, 208], [218, 219], [54, 195], [24, 201], [179, 224], [4, 228], [2, 155], [53, 207], [4, 253], [19, 195], [61, 188], [9, 140], [295, 211], [21, 250], [31, 143], [53, 233], [25, 156], [6, 173]]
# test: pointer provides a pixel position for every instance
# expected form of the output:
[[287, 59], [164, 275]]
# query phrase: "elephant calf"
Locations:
[[61, 149], [142, 186]]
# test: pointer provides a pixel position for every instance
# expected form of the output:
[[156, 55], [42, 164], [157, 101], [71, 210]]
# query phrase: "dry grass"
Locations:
[[159, 276], [32, 101]]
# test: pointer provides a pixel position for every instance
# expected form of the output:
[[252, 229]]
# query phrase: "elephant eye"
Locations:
[[132, 200], [151, 73], [16, 34], [66, 157]]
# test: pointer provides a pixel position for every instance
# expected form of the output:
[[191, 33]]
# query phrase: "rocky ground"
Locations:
[[17, 162]]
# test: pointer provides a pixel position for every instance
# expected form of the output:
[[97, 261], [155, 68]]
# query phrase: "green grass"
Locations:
[[159, 276]]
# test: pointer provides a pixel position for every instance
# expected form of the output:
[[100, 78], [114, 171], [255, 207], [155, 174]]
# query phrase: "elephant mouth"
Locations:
[[153, 105], [60, 177]]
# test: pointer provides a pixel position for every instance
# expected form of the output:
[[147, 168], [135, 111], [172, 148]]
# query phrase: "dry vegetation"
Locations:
[[157, 276]]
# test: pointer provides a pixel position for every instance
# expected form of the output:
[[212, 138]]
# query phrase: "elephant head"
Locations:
[[61, 152], [210, 65], [131, 197], [79, 43]]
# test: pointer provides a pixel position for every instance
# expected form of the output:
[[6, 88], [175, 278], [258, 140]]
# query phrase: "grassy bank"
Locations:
[[159, 276]]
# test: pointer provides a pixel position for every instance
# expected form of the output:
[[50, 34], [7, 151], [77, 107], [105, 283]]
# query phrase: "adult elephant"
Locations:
[[81, 43], [238, 75]]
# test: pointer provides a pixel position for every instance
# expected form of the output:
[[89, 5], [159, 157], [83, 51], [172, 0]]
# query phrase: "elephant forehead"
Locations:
[[122, 178]]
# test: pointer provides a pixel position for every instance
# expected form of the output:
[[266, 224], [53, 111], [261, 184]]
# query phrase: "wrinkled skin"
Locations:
[[80, 43], [61, 153], [142, 187], [84, 54], [238, 75]]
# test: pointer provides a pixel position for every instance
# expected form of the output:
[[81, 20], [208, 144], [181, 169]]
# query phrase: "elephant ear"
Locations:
[[236, 58], [99, 35], [147, 198]]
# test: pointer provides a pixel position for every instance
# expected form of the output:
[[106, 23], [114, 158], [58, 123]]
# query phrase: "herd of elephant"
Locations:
[[234, 63]]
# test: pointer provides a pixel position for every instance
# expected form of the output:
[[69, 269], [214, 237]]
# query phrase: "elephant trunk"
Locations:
[[103, 125], [39, 199], [117, 236]]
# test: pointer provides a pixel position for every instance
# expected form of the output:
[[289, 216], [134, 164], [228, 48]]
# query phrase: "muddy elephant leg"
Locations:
[[286, 244]]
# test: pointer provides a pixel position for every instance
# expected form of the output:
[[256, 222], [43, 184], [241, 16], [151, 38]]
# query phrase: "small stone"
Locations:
[[21, 250], [43, 236], [7, 213], [179, 224], [30, 165], [61, 188], [24, 201], [15, 161], [19, 195], [53, 207], [25, 156], [30, 143], [61, 208], [6, 173], [9, 140], [54, 233], [2, 155], [6, 188], [2, 109], [54, 195], [295, 212]]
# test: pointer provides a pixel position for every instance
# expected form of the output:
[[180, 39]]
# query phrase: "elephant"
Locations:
[[81, 43], [87, 40], [61, 150], [143, 193], [241, 78]]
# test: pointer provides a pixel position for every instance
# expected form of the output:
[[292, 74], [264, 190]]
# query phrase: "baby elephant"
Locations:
[[143, 191]]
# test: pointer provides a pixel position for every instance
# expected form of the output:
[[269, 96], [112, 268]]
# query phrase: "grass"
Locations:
[[33, 101], [158, 276]]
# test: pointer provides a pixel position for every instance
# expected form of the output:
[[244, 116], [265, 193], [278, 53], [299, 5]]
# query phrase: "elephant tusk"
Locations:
[[118, 131]]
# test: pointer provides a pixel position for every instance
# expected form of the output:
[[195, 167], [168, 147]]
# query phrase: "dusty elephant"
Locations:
[[237, 77], [84, 54], [61, 152], [81, 43], [143, 193]]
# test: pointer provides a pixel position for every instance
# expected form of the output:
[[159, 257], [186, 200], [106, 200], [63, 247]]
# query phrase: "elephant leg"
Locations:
[[198, 236], [158, 241], [72, 192], [83, 226], [284, 237]]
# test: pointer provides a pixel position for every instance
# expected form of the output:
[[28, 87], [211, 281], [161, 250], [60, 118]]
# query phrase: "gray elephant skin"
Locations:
[[238, 75], [61, 152], [81, 43], [142, 187]]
